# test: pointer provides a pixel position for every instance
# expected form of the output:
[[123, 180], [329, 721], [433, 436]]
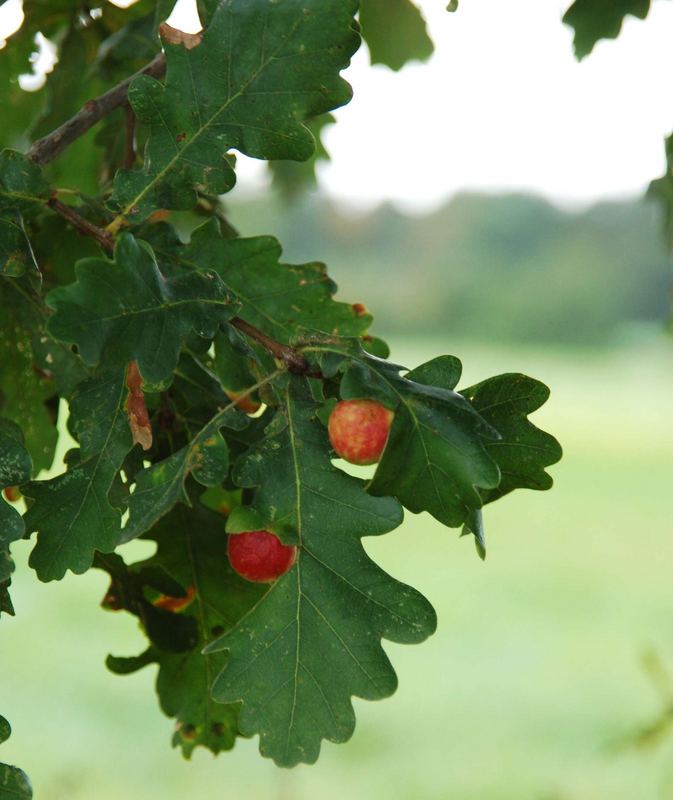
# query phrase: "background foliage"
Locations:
[[459, 272]]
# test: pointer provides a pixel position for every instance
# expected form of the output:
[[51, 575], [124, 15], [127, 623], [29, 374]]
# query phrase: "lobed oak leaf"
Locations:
[[72, 512], [26, 389], [523, 451], [140, 315], [313, 640], [438, 436], [236, 89], [286, 301]]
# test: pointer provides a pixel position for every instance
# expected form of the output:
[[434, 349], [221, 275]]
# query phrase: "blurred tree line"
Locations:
[[511, 267]]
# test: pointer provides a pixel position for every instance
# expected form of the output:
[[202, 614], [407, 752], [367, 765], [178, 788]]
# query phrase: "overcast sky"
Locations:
[[503, 105]]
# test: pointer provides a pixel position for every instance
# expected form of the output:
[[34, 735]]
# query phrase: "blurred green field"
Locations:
[[535, 668]]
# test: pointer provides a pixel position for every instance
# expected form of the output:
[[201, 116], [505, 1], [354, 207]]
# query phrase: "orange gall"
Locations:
[[358, 430]]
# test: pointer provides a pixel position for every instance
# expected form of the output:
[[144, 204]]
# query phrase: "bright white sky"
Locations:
[[502, 105]]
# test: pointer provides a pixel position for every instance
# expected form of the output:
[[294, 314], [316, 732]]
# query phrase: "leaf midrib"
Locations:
[[159, 309], [298, 485]]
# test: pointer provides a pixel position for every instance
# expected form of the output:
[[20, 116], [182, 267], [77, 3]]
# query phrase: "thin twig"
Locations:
[[294, 361], [129, 137], [46, 149], [83, 225]]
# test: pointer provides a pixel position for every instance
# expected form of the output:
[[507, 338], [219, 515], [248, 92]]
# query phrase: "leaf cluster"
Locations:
[[196, 370]]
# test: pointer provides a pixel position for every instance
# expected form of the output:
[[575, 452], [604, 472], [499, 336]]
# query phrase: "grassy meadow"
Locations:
[[535, 670]]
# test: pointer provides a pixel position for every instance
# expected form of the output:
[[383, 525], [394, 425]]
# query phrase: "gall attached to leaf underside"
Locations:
[[358, 430]]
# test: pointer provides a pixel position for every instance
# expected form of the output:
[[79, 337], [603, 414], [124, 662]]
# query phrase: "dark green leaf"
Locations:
[[72, 512], [127, 665], [15, 468], [600, 19], [237, 89], [21, 183], [375, 346], [314, 639], [126, 310], [395, 32], [198, 389], [443, 371], [57, 246], [16, 254], [436, 434], [118, 18], [58, 363], [14, 783], [523, 451], [95, 48], [23, 389], [284, 300]]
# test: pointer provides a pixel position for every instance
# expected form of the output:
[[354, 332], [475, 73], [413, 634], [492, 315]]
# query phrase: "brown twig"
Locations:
[[294, 361], [129, 137], [83, 225], [46, 149]]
